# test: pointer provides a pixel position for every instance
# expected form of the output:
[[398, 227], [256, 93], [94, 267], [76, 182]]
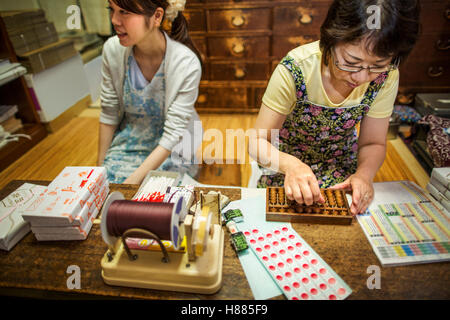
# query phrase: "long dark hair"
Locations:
[[179, 30], [346, 22]]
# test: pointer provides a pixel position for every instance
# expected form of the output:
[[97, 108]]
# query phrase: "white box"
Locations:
[[65, 196], [442, 175], [439, 196], [12, 226]]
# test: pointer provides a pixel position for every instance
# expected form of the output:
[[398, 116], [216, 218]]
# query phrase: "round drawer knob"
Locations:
[[238, 47], [238, 21], [305, 19], [443, 45], [202, 98], [435, 72], [239, 73]]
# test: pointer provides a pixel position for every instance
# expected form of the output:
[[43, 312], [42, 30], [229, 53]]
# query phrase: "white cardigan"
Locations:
[[182, 72]]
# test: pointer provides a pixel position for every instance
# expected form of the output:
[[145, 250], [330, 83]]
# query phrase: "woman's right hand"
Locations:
[[300, 183]]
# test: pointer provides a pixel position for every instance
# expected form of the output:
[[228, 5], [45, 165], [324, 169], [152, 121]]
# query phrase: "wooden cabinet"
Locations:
[[16, 92], [243, 40]]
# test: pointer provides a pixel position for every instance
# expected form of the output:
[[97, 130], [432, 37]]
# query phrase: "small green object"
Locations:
[[234, 214], [239, 242]]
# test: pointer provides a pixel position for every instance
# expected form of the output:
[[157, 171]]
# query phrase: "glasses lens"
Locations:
[[349, 68]]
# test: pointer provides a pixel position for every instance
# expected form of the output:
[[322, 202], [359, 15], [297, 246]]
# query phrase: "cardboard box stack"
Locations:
[[12, 226], [35, 40], [439, 186], [68, 207]]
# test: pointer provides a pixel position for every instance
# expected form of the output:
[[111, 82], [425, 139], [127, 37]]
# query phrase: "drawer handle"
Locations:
[[433, 74], [447, 14], [305, 19], [238, 47], [239, 73], [238, 21], [443, 45], [202, 98]]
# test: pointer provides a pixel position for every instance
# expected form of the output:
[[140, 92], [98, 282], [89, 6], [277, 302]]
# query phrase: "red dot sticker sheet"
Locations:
[[294, 266]]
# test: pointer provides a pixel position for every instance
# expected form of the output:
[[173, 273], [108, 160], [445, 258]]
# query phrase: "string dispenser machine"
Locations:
[[161, 239]]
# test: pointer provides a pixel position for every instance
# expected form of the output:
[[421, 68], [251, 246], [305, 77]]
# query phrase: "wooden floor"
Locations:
[[75, 144]]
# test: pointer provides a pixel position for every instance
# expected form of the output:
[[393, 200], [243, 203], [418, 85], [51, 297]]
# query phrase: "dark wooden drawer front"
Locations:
[[226, 96], [299, 19], [435, 46], [435, 16], [281, 45], [246, 47], [195, 19], [418, 73], [200, 44], [227, 70], [239, 19]]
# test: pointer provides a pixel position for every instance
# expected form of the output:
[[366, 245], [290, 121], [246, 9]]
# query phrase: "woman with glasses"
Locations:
[[321, 91]]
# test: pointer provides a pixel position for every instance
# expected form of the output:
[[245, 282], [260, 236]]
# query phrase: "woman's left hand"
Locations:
[[362, 192]]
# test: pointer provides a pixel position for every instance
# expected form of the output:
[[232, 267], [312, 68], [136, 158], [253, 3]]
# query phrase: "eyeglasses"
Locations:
[[355, 69]]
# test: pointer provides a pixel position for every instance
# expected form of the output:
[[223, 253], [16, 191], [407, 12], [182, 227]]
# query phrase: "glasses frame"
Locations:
[[390, 67]]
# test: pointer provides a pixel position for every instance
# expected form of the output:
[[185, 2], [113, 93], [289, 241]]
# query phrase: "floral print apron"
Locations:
[[322, 137]]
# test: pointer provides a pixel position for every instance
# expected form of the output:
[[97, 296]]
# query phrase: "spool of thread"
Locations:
[[159, 218]]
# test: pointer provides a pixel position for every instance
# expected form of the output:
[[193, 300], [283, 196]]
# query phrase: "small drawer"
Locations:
[[239, 19], [282, 45], [228, 70], [200, 44], [430, 74], [195, 19], [299, 19], [242, 47], [259, 93], [438, 45], [222, 97], [435, 16]]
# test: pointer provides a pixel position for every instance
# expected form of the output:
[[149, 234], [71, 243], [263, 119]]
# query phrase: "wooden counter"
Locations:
[[38, 269]]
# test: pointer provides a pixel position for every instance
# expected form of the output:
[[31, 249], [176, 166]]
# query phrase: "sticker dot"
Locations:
[[314, 261], [313, 291], [255, 230], [332, 281], [247, 233], [304, 296], [269, 235], [280, 265], [267, 247], [323, 286], [287, 288], [265, 258], [332, 297], [273, 255], [252, 241], [298, 257], [296, 285], [323, 271], [258, 249], [305, 266], [305, 280], [282, 251], [277, 232], [272, 268], [288, 274], [294, 298], [314, 276], [291, 236], [279, 278], [275, 243], [290, 248], [283, 239], [297, 270], [260, 239], [298, 244], [285, 229], [341, 291], [306, 253], [289, 260]]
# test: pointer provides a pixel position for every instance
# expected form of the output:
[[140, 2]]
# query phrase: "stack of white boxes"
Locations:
[[68, 207], [439, 186]]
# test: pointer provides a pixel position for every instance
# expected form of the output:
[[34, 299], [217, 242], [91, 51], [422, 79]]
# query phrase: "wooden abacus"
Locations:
[[335, 210]]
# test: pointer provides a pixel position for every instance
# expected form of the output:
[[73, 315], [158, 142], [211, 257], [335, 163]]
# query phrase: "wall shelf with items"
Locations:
[[16, 92]]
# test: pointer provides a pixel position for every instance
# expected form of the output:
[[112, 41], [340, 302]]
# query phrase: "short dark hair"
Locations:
[[346, 22]]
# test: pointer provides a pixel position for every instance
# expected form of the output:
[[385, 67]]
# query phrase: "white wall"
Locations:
[[93, 70], [60, 87]]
